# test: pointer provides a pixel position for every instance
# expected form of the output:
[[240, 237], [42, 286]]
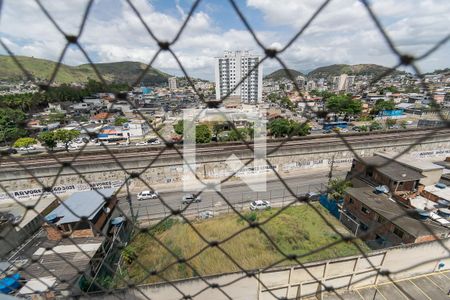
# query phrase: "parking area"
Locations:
[[433, 286]]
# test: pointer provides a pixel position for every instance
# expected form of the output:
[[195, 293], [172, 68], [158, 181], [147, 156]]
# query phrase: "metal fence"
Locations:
[[49, 286]]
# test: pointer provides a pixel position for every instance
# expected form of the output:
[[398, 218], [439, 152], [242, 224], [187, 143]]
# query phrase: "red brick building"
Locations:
[[378, 170], [383, 222]]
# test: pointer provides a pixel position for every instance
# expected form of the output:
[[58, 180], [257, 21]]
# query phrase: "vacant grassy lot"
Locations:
[[297, 230]]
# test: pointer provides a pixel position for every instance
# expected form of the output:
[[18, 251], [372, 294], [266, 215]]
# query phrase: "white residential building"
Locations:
[[310, 85], [137, 128], [231, 69], [172, 83], [341, 82]]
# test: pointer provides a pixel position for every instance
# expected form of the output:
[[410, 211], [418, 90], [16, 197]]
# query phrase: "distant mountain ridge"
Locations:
[[336, 70], [281, 73], [42, 69], [439, 71], [359, 69]]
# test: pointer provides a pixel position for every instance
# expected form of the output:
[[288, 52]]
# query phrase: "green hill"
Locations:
[[42, 69], [282, 74], [439, 71], [338, 69]]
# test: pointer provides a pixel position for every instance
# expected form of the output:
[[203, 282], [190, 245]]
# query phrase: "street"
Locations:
[[238, 194]]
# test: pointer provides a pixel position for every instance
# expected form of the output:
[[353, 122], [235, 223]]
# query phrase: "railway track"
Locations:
[[10, 163]]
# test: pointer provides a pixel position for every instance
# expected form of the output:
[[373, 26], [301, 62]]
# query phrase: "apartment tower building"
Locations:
[[231, 69]]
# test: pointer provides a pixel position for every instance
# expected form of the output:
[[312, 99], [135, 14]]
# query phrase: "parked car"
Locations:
[[27, 148], [190, 198], [81, 140], [260, 205], [8, 151], [313, 196], [141, 143], [206, 215], [144, 195], [153, 141]]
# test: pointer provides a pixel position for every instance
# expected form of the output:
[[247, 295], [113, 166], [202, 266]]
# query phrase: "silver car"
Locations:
[[260, 205], [190, 198]]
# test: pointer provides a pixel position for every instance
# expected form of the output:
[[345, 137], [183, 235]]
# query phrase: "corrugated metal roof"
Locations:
[[82, 204], [392, 169]]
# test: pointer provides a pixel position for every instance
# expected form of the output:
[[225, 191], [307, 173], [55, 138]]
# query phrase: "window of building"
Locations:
[[369, 172], [398, 232], [365, 209], [363, 226], [350, 200], [381, 219], [66, 228]]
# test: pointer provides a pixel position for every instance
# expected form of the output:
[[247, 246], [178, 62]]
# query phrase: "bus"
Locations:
[[332, 125]]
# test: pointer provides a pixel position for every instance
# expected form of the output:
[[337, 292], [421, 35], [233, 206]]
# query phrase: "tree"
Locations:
[[24, 142], [391, 89], [279, 127], [66, 136], [375, 126], [237, 134], [381, 105], [403, 124], [390, 122], [337, 187], [324, 94], [119, 121], [218, 128], [202, 134], [344, 104], [287, 103], [178, 127], [48, 138], [11, 124], [363, 128], [299, 129], [284, 127], [56, 118]]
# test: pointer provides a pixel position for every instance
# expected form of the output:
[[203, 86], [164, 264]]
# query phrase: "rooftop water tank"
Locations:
[[440, 185], [10, 284], [117, 221], [423, 214], [51, 218]]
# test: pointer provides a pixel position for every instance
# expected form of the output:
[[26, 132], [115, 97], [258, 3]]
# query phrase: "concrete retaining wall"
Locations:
[[296, 281], [209, 166]]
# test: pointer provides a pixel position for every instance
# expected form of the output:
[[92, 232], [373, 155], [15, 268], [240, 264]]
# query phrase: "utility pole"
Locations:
[[129, 200], [330, 174]]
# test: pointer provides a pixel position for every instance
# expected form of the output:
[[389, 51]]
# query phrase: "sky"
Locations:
[[342, 33]]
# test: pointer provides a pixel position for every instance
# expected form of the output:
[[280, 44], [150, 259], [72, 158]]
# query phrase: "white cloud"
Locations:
[[342, 33]]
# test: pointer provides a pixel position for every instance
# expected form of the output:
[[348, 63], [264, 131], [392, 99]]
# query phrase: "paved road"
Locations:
[[240, 195]]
